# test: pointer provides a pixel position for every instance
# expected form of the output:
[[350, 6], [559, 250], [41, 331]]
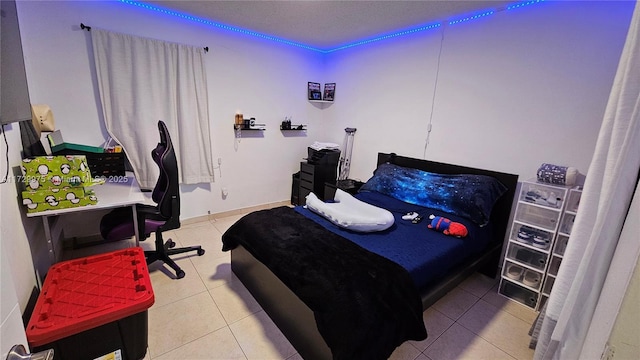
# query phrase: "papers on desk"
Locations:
[[324, 145]]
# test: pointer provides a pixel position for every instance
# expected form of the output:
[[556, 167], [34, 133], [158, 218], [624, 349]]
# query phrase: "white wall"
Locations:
[[625, 335], [10, 309], [262, 79], [15, 227], [514, 90], [16, 267]]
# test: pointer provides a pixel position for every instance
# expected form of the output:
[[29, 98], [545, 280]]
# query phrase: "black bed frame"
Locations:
[[296, 320]]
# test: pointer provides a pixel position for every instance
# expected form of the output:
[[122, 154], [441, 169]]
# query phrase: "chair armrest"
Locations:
[[146, 210]]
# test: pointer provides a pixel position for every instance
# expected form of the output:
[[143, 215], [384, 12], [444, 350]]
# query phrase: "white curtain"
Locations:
[[600, 256], [144, 80]]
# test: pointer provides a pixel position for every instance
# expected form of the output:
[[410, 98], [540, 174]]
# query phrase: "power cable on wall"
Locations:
[[6, 144], [433, 99]]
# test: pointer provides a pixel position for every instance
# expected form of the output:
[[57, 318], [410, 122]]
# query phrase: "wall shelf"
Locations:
[[322, 101], [295, 128], [243, 128]]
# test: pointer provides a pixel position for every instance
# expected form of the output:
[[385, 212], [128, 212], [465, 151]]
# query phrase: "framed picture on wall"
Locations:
[[329, 91], [314, 91]]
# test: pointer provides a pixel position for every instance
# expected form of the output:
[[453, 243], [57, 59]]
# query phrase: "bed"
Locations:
[[336, 293]]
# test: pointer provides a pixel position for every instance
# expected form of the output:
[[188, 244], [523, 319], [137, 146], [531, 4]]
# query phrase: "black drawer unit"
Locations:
[[348, 186], [306, 182], [321, 167], [312, 179]]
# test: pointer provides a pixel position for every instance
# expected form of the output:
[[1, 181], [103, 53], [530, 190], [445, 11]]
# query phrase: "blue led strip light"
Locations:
[[524, 3], [350, 45], [384, 37], [471, 17], [221, 26]]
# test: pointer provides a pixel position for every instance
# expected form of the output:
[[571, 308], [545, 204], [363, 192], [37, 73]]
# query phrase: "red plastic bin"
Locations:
[[94, 306]]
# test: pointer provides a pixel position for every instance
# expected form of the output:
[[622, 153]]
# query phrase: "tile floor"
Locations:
[[209, 314]]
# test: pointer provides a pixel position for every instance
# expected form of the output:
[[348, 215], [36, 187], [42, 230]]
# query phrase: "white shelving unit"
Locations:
[[561, 241], [539, 234]]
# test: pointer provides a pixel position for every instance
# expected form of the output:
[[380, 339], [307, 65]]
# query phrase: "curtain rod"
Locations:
[[88, 28]]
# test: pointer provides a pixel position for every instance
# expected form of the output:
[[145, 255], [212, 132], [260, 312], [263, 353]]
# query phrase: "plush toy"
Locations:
[[447, 226]]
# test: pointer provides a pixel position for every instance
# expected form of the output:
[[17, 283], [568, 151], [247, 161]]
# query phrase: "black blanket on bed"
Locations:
[[364, 305]]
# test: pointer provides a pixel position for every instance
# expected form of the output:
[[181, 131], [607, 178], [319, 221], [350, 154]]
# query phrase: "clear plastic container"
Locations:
[[527, 256], [539, 216], [519, 293], [544, 195], [525, 234]]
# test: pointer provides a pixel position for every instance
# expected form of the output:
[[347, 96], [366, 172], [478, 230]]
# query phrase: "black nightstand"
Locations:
[[349, 186]]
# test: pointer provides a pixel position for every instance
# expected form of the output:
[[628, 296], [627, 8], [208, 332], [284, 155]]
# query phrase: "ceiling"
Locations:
[[327, 24]]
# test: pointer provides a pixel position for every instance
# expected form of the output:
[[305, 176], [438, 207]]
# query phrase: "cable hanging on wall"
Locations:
[[433, 98], [6, 143], [88, 28]]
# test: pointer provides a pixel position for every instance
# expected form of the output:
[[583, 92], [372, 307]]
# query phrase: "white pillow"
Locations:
[[350, 213]]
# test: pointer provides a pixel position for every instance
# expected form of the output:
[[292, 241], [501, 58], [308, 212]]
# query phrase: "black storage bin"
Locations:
[[325, 157], [100, 163], [106, 164], [94, 307], [127, 336]]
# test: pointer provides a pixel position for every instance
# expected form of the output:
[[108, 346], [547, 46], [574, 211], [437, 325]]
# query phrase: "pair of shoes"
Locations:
[[533, 196], [541, 198], [528, 277], [540, 240], [531, 278], [514, 272], [525, 234], [531, 258], [534, 237]]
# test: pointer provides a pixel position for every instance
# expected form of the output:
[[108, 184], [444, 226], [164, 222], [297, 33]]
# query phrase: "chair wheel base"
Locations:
[[180, 274], [200, 252]]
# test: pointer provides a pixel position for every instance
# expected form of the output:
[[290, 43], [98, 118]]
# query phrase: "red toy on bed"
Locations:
[[447, 226]]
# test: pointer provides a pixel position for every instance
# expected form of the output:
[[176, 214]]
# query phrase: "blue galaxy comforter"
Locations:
[[425, 253]]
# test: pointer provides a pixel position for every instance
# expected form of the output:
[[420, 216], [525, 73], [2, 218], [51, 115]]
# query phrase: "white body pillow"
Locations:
[[351, 213]]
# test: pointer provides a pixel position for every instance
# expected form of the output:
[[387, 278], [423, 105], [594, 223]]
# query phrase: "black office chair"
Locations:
[[118, 224]]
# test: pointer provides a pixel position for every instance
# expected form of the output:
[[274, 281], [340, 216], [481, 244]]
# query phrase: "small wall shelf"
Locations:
[[243, 128], [322, 101], [295, 128]]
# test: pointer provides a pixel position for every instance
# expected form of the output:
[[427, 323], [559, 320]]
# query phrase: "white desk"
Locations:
[[110, 195]]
